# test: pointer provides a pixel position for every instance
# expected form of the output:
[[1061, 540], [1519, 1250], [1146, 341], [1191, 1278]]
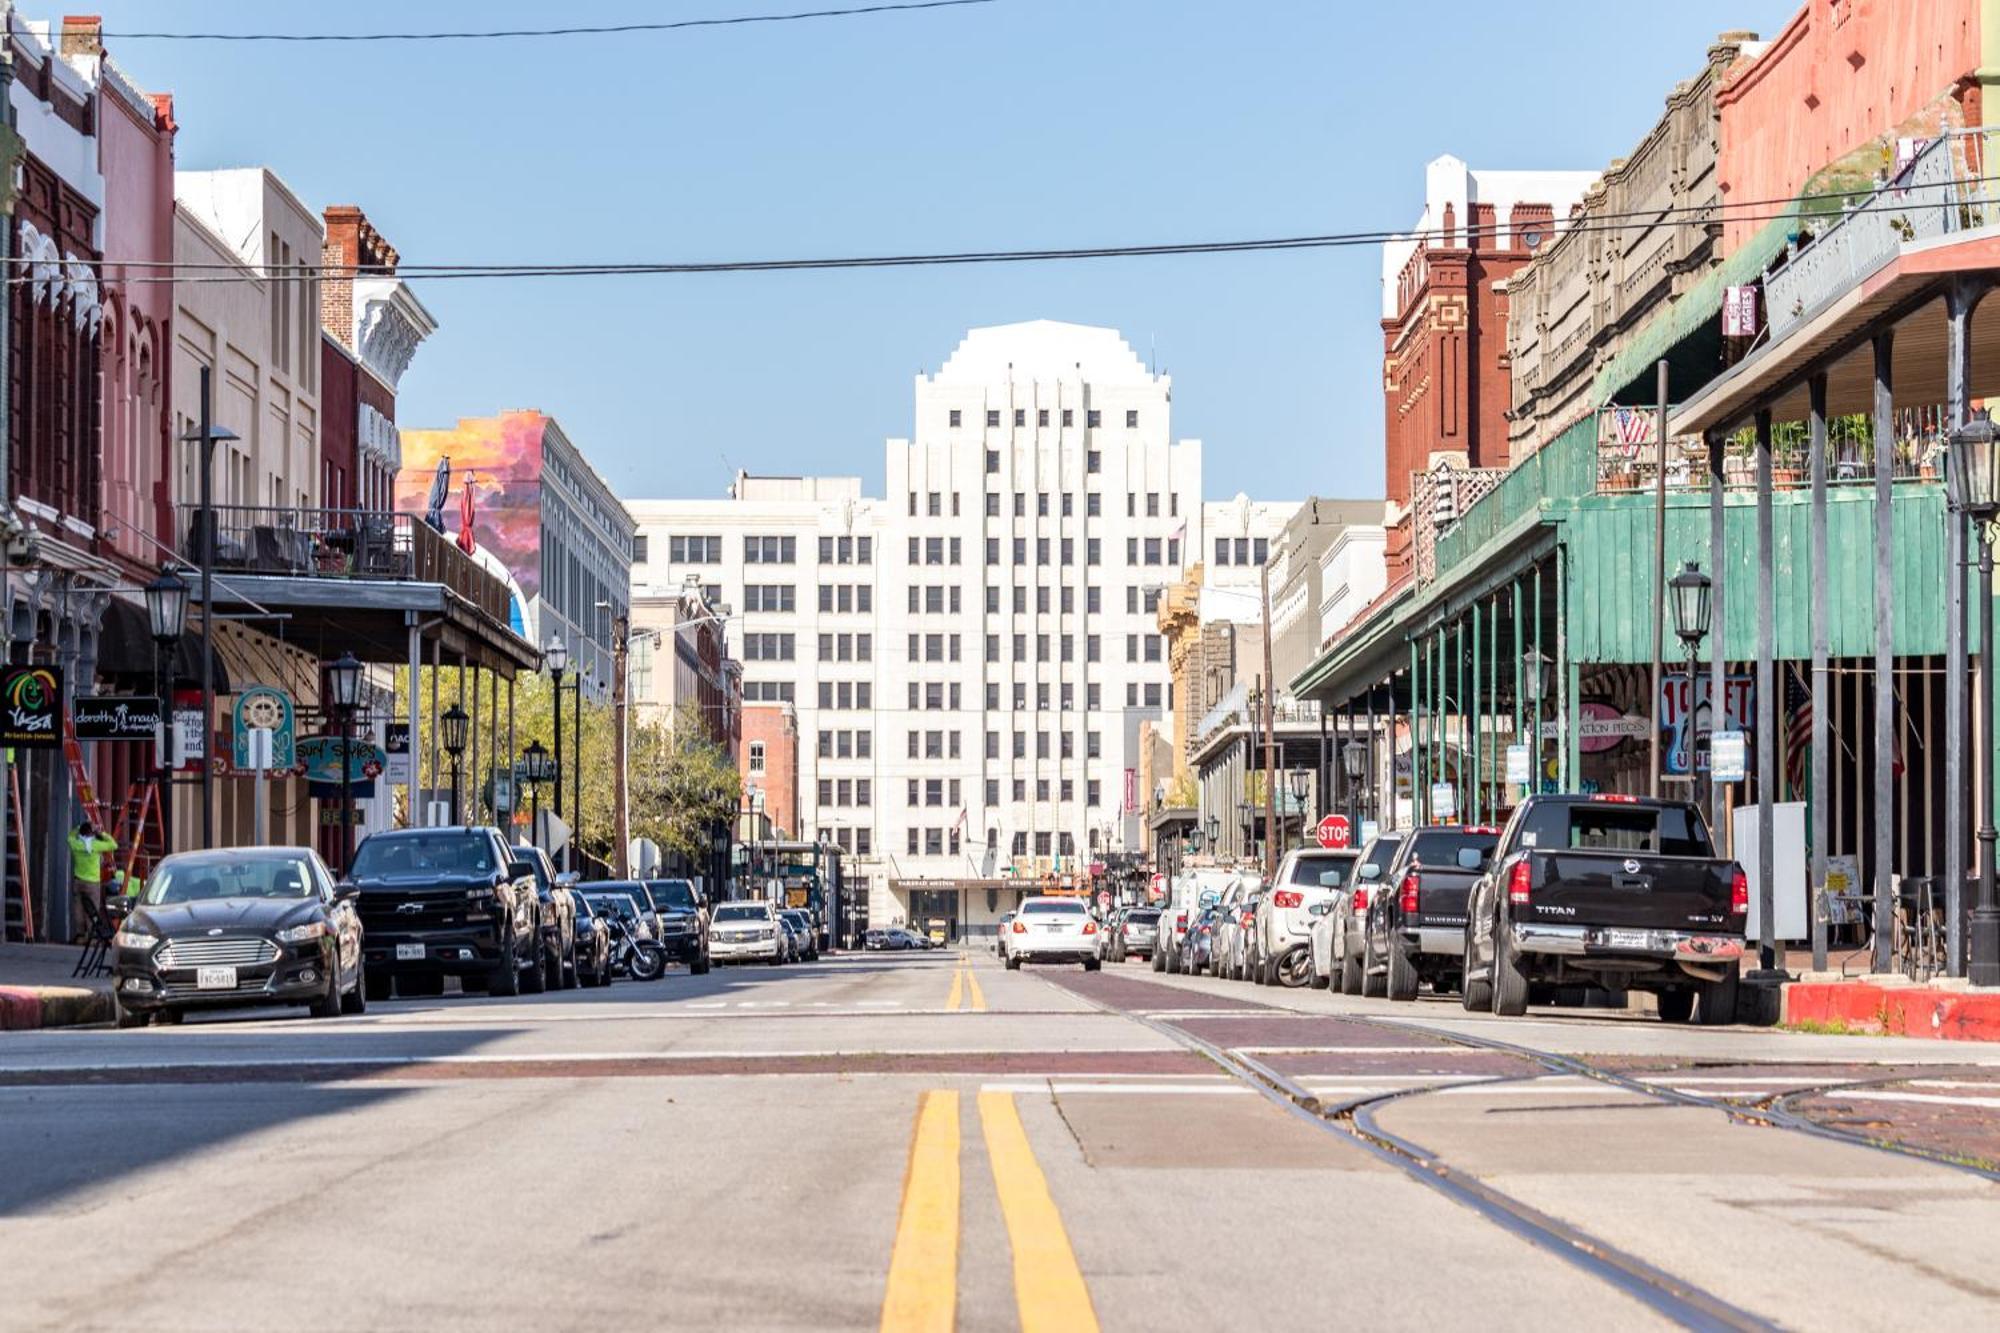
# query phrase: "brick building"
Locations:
[[372, 325], [769, 765], [1444, 333]]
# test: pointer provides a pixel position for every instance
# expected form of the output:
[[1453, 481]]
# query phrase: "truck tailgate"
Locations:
[[1441, 896], [1586, 888]]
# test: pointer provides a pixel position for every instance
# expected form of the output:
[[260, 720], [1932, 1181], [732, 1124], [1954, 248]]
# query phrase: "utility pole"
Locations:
[[621, 785], [1270, 739], [1659, 586]]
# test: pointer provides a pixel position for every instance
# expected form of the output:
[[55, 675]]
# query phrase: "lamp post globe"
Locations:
[[343, 682], [1690, 592], [451, 732], [556, 656], [1214, 831], [166, 607]]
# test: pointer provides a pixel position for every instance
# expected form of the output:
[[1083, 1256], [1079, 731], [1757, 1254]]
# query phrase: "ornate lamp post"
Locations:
[[451, 731], [1354, 762], [166, 618], [1298, 779], [1214, 832], [1973, 481], [1689, 592], [535, 770], [343, 695]]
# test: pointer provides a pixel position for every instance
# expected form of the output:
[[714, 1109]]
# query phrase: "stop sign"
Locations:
[[1334, 831]]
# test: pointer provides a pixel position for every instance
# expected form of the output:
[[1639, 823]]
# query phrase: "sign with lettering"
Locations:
[[31, 707], [116, 717], [396, 743], [322, 756], [269, 708]]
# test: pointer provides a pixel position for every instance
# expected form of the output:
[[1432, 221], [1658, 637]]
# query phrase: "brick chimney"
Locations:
[[352, 246], [82, 35]]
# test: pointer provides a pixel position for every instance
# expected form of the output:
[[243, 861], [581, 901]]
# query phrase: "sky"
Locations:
[[1014, 124]]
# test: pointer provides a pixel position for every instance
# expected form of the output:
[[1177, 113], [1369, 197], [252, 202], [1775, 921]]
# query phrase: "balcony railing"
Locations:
[[1941, 190], [339, 544], [1630, 464]]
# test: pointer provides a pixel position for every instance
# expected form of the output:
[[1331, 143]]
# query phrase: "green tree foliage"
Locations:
[[682, 784]]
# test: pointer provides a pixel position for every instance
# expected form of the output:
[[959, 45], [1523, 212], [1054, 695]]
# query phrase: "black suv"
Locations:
[[683, 922], [558, 918], [439, 902]]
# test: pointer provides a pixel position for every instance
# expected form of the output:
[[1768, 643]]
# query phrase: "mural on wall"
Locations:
[[502, 458]]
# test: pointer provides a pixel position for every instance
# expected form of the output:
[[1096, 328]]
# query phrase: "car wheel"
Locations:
[[699, 967], [568, 966], [1350, 974], [1676, 1006], [536, 979], [378, 988], [1013, 963], [130, 1018], [356, 1000], [1473, 996], [1092, 964], [505, 980], [328, 1005], [168, 1017], [1509, 978], [1159, 961], [1717, 1000], [1402, 979], [1372, 986]]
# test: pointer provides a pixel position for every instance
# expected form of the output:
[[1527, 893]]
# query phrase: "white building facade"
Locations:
[[972, 656]]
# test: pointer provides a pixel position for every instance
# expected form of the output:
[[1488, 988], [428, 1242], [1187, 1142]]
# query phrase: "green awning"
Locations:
[[1694, 313]]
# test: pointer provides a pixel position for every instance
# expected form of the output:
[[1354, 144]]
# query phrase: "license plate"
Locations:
[[1627, 939], [215, 978], [407, 953]]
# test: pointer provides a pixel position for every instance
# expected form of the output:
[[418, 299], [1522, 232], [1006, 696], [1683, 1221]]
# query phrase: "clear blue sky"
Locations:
[[1017, 124]]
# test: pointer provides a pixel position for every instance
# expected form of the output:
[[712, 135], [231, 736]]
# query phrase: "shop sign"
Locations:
[[1729, 758], [1520, 765], [1687, 713], [269, 708], [396, 751], [321, 756], [31, 707], [116, 717], [1444, 802]]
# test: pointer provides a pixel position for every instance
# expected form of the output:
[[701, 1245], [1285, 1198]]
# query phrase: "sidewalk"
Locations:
[[37, 991]]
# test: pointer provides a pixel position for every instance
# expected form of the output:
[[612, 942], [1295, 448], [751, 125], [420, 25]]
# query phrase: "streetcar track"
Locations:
[[1354, 1119]]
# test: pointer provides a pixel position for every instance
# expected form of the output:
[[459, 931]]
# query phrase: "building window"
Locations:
[[1152, 504], [992, 464], [1020, 416], [954, 420], [1093, 551], [934, 504], [1222, 550], [639, 549], [1042, 417], [770, 550], [1041, 504], [993, 504], [1131, 418], [756, 756], [1263, 550], [993, 417], [1093, 461], [694, 550], [1093, 418]]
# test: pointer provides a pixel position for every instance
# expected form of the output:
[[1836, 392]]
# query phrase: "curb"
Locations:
[[23, 1008], [1864, 1008]]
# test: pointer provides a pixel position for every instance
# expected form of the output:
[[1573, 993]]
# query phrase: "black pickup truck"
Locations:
[[1620, 892], [438, 902], [1415, 927]]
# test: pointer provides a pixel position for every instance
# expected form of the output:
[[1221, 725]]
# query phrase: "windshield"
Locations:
[[618, 903], [237, 876], [1381, 852], [742, 912], [1142, 916], [1669, 830], [1312, 869], [424, 854], [1438, 849], [672, 895], [1052, 909]]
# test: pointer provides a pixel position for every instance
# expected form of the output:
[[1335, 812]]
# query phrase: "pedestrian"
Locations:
[[87, 849]]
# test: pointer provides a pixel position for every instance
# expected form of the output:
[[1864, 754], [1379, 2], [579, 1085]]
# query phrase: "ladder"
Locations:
[[17, 900], [139, 843], [79, 774]]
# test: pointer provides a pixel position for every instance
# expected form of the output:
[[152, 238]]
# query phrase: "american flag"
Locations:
[[1798, 731], [1634, 424]]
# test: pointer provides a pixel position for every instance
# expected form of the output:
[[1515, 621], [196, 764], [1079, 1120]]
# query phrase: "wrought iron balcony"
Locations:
[[361, 544]]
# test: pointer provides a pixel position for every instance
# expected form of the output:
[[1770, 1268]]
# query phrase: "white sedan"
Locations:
[[744, 932], [1054, 930]]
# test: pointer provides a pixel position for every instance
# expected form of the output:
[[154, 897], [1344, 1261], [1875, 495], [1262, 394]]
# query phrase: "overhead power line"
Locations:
[[158, 271], [599, 30]]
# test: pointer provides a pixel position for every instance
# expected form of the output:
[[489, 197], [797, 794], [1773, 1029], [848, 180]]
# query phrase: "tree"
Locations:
[[682, 784]]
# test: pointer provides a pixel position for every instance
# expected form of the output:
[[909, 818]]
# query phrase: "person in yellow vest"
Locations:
[[87, 850]]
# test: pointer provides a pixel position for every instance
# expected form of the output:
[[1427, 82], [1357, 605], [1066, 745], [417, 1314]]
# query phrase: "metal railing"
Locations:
[[299, 542], [1918, 453]]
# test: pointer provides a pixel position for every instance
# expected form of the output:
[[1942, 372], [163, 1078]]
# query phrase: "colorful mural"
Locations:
[[500, 458]]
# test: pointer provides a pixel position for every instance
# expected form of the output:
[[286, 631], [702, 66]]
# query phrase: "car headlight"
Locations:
[[767, 933], [134, 939], [311, 930]]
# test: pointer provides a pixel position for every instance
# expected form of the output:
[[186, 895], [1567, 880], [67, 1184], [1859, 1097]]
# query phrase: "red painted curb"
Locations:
[[1895, 1011], [19, 1009]]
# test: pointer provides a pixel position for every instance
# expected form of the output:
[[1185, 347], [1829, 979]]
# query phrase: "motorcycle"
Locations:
[[641, 960]]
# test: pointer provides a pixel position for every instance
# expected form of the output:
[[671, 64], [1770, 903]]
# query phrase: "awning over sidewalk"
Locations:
[[125, 648]]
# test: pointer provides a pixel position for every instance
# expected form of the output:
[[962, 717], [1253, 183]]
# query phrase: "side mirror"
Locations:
[[117, 908], [569, 879], [1208, 898], [520, 870], [1470, 858], [1331, 879], [345, 890], [1371, 871]]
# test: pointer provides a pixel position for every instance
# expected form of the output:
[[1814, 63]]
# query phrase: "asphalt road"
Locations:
[[912, 1142]]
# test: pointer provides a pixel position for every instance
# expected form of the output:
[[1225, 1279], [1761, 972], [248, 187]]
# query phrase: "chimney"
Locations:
[[82, 36]]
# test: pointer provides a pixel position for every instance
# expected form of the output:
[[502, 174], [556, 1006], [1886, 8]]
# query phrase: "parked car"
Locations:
[[1137, 934], [1054, 930], [1416, 924], [1307, 877], [893, 939], [683, 917], [746, 931], [1000, 934], [1197, 951], [244, 926], [447, 902], [806, 937], [593, 945], [1621, 892], [1232, 930], [1339, 930], [558, 917]]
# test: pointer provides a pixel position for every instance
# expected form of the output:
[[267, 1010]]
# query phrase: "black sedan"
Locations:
[[593, 944], [245, 926]]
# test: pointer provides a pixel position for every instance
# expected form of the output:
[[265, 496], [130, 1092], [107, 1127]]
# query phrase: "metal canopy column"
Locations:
[[1961, 299], [1821, 634], [1566, 682], [1885, 684], [1472, 714], [1718, 662], [1767, 706]]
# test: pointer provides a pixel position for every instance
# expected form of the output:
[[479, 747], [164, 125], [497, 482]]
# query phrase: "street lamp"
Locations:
[[556, 658], [534, 772], [1973, 479], [1689, 591], [166, 616], [1297, 779], [1214, 832], [451, 730], [343, 695]]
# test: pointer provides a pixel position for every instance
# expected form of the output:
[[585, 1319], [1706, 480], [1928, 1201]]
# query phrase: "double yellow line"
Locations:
[[965, 986], [922, 1292]]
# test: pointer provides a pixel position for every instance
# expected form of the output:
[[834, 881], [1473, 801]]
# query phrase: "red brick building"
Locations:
[[768, 761], [1444, 327], [372, 324]]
